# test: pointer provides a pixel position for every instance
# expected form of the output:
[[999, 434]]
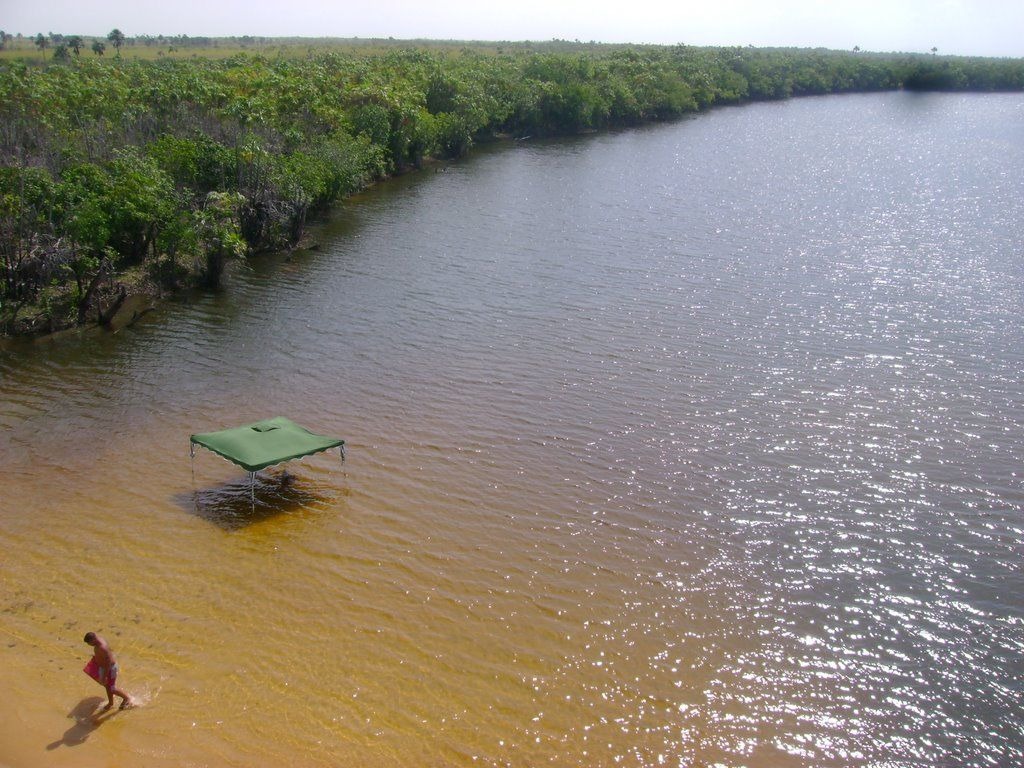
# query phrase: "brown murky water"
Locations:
[[691, 445]]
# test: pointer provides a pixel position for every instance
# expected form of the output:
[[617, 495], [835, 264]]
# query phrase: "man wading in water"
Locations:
[[103, 669]]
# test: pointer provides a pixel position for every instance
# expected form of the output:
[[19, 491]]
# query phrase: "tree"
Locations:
[[26, 239], [42, 41], [116, 38], [219, 233], [98, 47], [74, 42], [83, 196], [138, 200]]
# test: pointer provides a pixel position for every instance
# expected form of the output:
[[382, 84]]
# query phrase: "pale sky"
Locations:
[[957, 27]]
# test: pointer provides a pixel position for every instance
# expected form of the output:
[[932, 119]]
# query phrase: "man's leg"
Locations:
[[126, 700]]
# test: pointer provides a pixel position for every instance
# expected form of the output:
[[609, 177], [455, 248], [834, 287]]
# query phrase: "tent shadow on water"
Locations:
[[237, 504]]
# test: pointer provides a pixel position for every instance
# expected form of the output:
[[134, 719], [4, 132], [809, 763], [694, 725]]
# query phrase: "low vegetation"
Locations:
[[120, 170]]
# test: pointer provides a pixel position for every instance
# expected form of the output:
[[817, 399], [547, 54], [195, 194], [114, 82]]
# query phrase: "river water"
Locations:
[[699, 444]]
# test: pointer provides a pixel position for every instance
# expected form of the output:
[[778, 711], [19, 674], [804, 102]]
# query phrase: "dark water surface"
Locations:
[[699, 444]]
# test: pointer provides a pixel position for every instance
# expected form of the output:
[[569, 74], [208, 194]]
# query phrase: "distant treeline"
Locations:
[[63, 46], [118, 172]]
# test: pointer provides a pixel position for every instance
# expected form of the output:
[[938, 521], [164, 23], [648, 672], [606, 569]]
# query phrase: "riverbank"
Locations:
[[182, 166], [127, 296]]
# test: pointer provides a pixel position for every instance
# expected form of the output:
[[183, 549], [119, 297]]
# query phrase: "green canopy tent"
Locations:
[[257, 446]]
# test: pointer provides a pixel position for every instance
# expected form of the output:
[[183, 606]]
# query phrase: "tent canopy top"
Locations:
[[265, 443]]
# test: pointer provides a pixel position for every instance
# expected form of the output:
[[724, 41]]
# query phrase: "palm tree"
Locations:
[[116, 38]]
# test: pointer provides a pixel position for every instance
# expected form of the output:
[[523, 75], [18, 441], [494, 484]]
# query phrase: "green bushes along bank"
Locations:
[[118, 172]]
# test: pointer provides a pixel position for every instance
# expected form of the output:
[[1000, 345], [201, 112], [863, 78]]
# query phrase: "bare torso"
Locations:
[[102, 654]]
